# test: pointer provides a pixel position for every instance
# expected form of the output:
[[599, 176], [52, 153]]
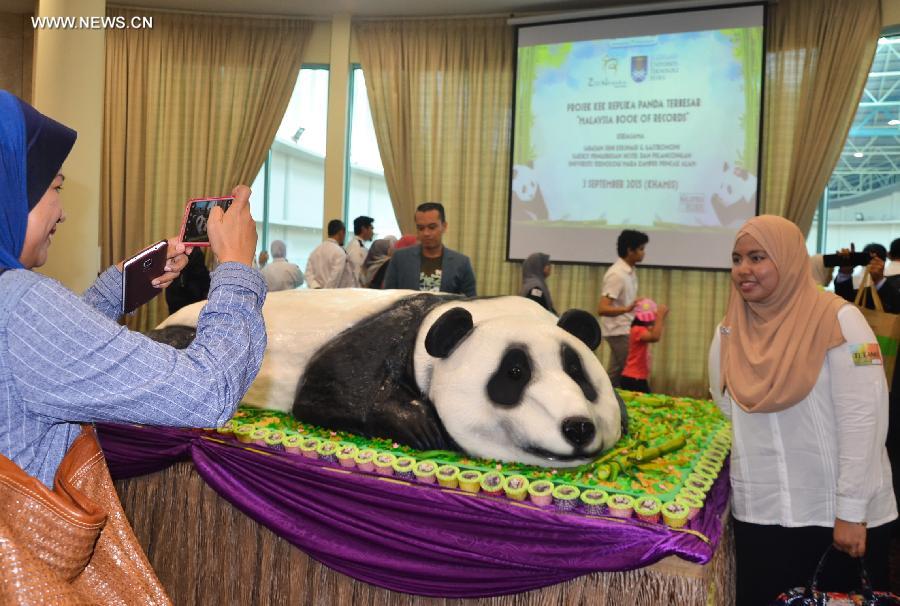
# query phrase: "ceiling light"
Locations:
[[858, 154], [893, 122]]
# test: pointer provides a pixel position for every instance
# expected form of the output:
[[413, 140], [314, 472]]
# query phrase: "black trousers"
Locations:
[[774, 559], [632, 384]]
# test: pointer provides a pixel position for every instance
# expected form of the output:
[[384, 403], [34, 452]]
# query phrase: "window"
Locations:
[[288, 192], [367, 192], [861, 203]]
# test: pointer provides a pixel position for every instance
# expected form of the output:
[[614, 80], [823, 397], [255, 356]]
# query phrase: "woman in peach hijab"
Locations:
[[799, 373]]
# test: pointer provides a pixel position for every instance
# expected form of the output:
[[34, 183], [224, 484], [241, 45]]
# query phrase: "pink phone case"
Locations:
[[196, 213], [138, 273]]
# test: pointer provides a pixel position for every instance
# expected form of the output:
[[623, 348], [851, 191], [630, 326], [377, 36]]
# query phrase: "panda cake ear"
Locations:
[[582, 325], [447, 332]]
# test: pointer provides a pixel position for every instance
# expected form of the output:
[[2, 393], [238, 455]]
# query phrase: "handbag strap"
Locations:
[[866, 285], [812, 588]]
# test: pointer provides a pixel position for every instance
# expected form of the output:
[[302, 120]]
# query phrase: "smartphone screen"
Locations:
[[196, 214], [138, 274]]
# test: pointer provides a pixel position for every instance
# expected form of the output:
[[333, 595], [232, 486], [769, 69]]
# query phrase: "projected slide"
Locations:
[[650, 123]]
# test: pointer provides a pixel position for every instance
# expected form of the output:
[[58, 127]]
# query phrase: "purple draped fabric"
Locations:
[[406, 536]]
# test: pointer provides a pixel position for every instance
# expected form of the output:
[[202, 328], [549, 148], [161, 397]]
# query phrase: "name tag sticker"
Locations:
[[865, 354], [537, 292]]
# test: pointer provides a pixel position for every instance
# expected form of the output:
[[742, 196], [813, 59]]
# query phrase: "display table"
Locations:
[[206, 550]]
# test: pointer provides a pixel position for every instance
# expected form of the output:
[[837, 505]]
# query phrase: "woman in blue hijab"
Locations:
[[65, 359]]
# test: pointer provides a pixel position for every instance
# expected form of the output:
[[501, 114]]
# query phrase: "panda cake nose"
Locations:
[[578, 431]]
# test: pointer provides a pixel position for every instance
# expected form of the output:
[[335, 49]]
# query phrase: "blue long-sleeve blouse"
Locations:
[[64, 360]]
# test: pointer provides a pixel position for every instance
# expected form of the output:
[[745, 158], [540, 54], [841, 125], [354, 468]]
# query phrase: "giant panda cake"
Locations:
[[498, 378]]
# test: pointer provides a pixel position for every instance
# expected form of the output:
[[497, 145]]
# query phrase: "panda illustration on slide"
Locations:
[[498, 378]]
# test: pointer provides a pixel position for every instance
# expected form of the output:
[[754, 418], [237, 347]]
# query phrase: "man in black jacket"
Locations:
[[888, 287]]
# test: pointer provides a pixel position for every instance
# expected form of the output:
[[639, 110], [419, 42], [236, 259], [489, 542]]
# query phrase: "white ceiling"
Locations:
[[365, 8]]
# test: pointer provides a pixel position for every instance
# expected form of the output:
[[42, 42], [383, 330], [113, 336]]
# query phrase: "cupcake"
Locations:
[[692, 492], [244, 432], [425, 471], [675, 514], [565, 497], [620, 505], [492, 483], [516, 487], [365, 459], [403, 468], [328, 450], [541, 492], [274, 438], [309, 448], [718, 450], [706, 470], [346, 454], [470, 480], [259, 435], [448, 476], [723, 440], [291, 443], [694, 505], [711, 462], [647, 509], [695, 480], [384, 464], [228, 427], [594, 501]]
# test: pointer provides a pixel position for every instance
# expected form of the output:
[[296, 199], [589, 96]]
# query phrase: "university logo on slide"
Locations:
[[639, 68]]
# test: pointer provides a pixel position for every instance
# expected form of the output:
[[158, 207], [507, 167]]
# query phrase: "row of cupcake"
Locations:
[[544, 493]]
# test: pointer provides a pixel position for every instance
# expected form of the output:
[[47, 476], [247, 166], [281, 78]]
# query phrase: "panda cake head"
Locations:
[[511, 383]]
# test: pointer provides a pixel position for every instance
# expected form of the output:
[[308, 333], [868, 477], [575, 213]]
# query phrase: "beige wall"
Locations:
[[68, 86], [890, 12]]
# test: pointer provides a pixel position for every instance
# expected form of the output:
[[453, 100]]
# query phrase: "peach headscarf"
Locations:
[[773, 350]]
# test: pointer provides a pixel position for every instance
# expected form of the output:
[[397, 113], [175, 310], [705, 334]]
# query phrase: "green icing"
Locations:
[[667, 437]]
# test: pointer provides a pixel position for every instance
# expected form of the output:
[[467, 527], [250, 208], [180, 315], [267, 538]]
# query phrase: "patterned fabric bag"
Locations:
[[811, 596]]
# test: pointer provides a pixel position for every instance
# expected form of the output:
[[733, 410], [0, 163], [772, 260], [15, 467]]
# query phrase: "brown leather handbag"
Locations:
[[72, 544]]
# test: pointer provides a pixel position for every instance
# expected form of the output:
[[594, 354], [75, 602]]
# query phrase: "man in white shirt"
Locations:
[[281, 274], [356, 250], [617, 296], [328, 266]]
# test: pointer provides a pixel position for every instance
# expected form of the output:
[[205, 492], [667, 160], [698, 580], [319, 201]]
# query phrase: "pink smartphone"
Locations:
[[196, 214], [138, 273]]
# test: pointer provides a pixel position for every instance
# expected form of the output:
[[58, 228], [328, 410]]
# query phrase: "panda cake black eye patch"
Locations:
[[508, 382], [572, 365]]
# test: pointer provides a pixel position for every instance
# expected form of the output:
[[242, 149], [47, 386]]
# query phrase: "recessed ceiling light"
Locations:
[[858, 154]]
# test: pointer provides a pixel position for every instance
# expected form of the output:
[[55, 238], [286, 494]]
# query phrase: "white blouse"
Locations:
[[824, 457]]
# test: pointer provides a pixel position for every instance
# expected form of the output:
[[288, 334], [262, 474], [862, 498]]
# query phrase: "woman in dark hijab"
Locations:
[[375, 266], [535, 270], [66, 360]]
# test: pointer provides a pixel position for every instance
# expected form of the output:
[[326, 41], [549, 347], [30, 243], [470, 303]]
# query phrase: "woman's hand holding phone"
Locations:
[[176, 260], [232, 234]]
